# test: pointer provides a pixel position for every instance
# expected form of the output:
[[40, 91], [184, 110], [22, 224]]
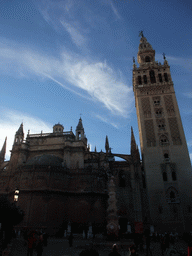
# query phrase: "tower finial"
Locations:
[[141, 33], [164, 56], [134, 60]]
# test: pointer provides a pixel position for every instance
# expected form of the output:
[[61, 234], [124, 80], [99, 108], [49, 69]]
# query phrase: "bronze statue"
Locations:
[[141, 33]]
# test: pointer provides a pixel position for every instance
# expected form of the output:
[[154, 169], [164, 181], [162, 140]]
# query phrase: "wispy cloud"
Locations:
[[12, 119], [75, 35], [86, 77], [106, 120], [189, 95], [115, 10]]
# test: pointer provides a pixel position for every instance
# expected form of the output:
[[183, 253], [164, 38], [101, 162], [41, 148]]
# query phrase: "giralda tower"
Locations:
[[164, 149]]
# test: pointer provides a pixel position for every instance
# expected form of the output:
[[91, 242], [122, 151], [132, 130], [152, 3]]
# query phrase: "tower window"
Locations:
[[152, 76], [172, 196], [166, 77], [145, 79], [158, 113], [161, 127], [139, 80], [147, 59], [166, 156], [160, 78], [163, 140], [164, 176], [156, 102], [174, 175]]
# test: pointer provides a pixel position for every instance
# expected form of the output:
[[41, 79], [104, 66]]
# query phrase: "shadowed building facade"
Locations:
[[63, 185]]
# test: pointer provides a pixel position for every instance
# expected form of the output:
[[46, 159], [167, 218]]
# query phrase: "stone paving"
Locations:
[[60, 247]]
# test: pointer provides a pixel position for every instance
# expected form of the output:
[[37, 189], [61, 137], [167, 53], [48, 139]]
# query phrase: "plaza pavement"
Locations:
[[60, 247]]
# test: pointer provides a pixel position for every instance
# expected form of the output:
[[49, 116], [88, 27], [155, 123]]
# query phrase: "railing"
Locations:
[[49, 134]]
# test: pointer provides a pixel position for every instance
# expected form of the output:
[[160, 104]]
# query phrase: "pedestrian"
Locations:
[[45, 237], [70, 240], [163, 245], [39, 246], [189, 244], [148, 244], [114, 251], [31, 243]]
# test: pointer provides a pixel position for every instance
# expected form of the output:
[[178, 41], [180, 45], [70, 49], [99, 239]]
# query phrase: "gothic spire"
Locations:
[[106, 144], [20, 130], [133, 143], [3, 151], [80, 125]]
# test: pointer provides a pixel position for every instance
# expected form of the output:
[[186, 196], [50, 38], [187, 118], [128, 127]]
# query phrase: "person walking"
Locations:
[[70, 240], [31, 243], [114, 251], [39, 247]]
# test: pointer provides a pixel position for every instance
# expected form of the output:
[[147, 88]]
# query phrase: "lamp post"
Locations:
[[16, 195]]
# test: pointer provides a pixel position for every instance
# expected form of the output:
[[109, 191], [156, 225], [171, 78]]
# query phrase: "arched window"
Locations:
[[158, 112], [160, 78], [172, 195], [139, 80], [166, 156], [145, 79], [147, 59], [164, 140], [152, 76], [166, 77], [164, 176], [161, 126]]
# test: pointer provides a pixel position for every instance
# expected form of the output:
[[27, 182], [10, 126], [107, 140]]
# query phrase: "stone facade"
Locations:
[[63, 185], [163, 146]]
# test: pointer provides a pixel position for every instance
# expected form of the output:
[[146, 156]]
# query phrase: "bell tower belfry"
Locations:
[[164, 149]]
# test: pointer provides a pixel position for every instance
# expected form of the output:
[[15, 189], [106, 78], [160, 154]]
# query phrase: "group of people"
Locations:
[[93, 252], [35, 241]]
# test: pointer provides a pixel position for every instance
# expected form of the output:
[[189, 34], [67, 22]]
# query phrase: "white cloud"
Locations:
[[12, 120], [76, 36], [88, 78]]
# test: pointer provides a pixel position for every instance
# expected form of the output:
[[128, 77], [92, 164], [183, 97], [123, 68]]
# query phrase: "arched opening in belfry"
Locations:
[[152, 76], [147, 59]]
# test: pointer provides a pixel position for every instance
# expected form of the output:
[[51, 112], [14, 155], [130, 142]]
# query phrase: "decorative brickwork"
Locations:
[[174, 128], [146, 107], [150, 133], [169, 105]]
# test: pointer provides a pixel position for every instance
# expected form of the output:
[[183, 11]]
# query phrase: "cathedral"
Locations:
[[61, 185]]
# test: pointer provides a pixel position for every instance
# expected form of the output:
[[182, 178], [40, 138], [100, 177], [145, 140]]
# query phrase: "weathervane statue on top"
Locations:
[[141, 33]]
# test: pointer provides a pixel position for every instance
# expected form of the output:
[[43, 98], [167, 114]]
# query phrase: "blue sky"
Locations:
[[60, 59]]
